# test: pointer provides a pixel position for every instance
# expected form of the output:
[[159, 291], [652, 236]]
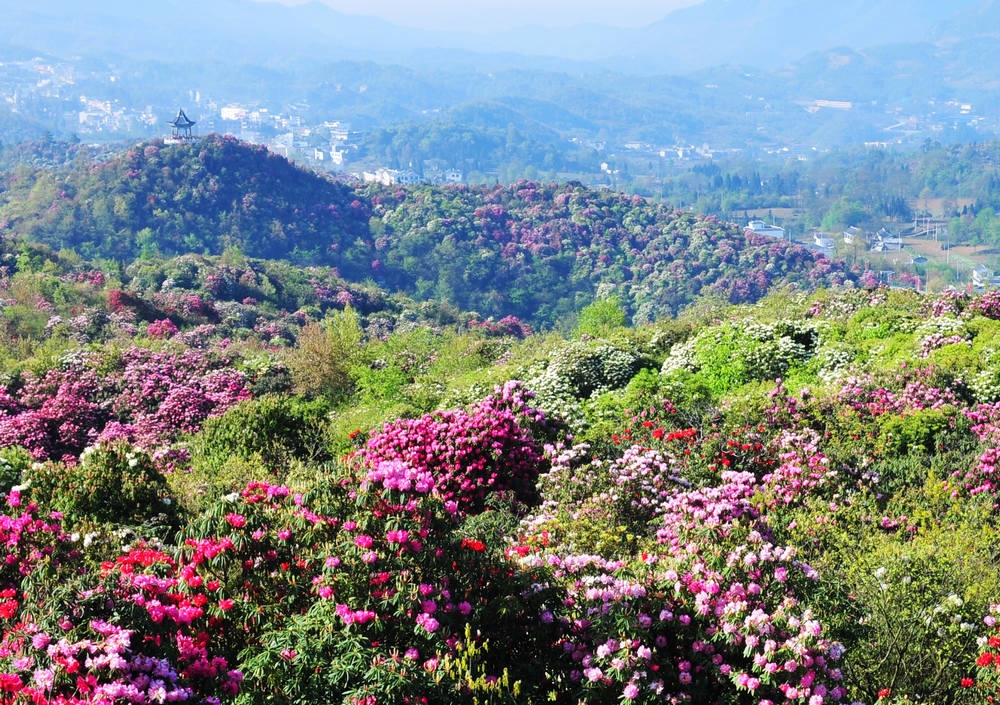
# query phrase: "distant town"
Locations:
[[82, 103]]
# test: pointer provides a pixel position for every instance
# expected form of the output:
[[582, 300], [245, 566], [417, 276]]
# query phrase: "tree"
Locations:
[[842, 214], [601, 318], [319, 363]]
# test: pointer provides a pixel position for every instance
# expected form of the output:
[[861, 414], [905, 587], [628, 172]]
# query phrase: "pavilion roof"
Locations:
[[182, 120]]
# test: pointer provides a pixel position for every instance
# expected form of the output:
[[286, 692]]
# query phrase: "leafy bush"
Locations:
[[112, 483], [276, 431], [916, 591], [733, 354], [14, 461]]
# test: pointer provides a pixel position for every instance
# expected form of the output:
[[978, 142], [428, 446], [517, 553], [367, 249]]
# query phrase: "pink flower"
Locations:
[[427, 622], [236, 520], [363, 541], [397, 536]]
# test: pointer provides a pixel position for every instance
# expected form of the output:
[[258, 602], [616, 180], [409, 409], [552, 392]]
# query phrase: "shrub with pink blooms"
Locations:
[[144, 396], [713, 535], [75, 636], [470, 454], [357, 590], [700, 622]]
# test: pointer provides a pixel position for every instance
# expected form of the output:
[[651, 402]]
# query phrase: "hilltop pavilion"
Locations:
[[182, 125]]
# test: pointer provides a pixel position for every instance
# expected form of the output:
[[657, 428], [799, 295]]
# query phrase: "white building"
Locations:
[[761, 228], [233, 112]]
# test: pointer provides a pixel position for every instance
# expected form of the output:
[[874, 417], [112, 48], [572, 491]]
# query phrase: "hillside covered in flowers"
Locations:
[[267, 438], [536, 251], [793, 501]]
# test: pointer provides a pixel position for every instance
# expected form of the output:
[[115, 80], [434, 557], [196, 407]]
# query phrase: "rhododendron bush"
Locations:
[[140, 395]]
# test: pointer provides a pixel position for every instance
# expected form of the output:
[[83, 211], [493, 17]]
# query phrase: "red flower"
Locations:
[[984, 660], [995, 640], [967, 682], [884, 693], [10, 682]]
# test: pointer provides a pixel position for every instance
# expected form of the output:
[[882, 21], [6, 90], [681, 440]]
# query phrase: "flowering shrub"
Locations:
[[164, 328], [508, 325], [113, 483], [356, 591], [470, 454], [139, 395], [700, 623], [987, 678], [716, 537], [986, 304], [66, 641]]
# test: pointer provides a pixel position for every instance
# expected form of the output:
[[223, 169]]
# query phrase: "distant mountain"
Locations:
[[760, 33], [979, 19], [767, 34], [754, 76]]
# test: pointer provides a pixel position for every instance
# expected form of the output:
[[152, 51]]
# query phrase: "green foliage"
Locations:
[[601, 318], [320, 362], [113, 483], [14, 461], [907, 585], [919, 431], [272, 433], [279, 430], [730, 355]]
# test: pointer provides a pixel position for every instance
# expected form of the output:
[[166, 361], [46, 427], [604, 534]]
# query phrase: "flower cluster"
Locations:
[[696, 624], [139, 395], [469, 454]]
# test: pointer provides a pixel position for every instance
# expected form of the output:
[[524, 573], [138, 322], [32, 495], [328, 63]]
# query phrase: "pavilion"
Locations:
[[182, 125]]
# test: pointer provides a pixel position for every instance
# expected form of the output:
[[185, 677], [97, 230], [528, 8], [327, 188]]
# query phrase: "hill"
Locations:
[[538, 252]]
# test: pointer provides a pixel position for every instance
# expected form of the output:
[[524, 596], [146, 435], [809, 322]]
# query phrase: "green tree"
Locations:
[[601, 317], [319, 363]]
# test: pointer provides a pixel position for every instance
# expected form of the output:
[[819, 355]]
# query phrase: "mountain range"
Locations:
[[765, 34]]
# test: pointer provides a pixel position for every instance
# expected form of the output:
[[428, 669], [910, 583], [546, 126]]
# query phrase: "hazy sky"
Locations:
[[488, 15]]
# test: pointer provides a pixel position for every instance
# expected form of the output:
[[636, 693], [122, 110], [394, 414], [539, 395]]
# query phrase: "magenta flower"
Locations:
[[363, 541]]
